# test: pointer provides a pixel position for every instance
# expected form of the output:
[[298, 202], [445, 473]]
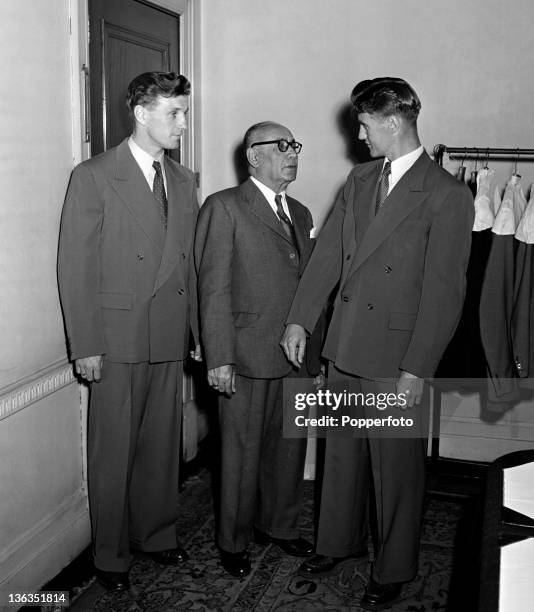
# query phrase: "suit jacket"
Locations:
[[248, 271], [125, 282], [523, 313], [401, 273]]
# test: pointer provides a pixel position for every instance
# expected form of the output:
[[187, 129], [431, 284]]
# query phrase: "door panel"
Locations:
[[127, 38]]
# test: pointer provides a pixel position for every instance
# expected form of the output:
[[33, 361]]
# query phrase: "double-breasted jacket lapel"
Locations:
[[360, 197], [134, 192], [407, 195], [179, 222]]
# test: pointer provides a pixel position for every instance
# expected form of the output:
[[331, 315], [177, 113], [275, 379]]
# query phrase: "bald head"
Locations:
[[267, 160], [256, 132]]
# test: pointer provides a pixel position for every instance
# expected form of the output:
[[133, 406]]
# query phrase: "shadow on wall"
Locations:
[[356, 150], [240, 163]]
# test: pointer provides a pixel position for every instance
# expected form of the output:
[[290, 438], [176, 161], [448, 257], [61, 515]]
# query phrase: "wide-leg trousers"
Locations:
[[395, 467], [133, 448], [261, 471]]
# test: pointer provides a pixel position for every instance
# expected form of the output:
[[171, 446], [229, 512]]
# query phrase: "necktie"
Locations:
[[383, 185], [285, 220], [158, 190]]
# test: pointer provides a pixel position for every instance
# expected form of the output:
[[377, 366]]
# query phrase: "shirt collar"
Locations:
[[402, 164], [144, 159], [267, 191]]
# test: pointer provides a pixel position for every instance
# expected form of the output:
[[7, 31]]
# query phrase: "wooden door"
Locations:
[[127, 37]]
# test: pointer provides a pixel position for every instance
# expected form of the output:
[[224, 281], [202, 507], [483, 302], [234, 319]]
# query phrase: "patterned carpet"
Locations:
[[274, 584]]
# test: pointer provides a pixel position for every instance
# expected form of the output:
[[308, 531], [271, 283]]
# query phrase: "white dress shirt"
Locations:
[[401, 165], [145, 162], [269, 196]]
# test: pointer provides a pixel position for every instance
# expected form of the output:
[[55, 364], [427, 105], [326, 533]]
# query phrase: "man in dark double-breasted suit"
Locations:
[[252, 243], [398, 243], [127, 287]]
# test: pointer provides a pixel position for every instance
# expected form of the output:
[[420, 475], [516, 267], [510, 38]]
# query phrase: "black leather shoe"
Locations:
[[322, 564], [378, 596], [298, 547], [237, 564], [172, 556], [113, 581]]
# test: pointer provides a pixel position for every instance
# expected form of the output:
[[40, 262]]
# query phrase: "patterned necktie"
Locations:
[[158, 190], [383, 185], [285, 220]]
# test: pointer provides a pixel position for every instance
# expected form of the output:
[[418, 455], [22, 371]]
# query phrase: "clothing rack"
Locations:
[[482, 154]]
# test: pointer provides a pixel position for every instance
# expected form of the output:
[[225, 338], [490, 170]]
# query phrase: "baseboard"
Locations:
[[42, 552]]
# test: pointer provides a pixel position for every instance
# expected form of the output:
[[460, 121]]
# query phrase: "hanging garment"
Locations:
[[484, 213], [472, 183], [511, 209], [496, 200], [523, 312], [497, 298]]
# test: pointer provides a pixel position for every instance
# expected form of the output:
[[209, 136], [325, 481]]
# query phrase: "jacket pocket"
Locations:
[[245, 319], [402, 320], [117, 301]]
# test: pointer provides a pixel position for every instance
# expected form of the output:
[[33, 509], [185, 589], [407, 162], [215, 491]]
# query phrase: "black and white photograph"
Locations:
[[267, 306]]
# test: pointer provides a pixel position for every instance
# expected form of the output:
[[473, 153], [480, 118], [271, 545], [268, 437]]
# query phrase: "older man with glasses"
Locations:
[[251, 246]]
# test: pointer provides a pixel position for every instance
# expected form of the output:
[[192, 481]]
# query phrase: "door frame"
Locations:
[[189, 12]]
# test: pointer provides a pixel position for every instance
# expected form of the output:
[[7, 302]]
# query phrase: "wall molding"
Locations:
[[43, 551], [35, 387]]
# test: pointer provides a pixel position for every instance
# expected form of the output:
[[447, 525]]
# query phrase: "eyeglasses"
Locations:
[[283, 144]]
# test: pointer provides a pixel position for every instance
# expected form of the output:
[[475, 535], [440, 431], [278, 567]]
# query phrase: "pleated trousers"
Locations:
[[394, 468], [133, 449], [261, 471]]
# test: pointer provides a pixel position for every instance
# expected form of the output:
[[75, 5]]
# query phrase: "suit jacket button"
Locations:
[[370, 307], [348, 257], [181, 291], [387, 269], [292, 255], [140, 256], [345, 298]]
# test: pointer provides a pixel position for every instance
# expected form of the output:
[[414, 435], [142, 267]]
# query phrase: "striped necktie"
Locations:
[[158, 190], [285, 220], [383, 185]]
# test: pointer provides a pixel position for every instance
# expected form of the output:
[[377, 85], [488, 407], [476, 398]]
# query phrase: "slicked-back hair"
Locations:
[[386, 96], [146, 87]]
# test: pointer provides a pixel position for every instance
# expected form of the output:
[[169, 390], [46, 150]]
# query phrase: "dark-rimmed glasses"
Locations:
[[283, 144]]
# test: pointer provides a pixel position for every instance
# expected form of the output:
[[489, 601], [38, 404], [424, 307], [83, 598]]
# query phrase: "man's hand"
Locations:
[[89, 368], [411, 387], [222, 379], [196, 355], [294, 343], [319, 381]]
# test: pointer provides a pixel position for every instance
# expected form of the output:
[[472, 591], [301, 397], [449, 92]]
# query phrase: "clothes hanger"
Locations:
[[487, 159], [515, 164], [460, 175], [472, 183]]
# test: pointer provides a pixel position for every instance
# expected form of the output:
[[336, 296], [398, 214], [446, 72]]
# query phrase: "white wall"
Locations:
[[297, 61], [43, 502], [35, 162]]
